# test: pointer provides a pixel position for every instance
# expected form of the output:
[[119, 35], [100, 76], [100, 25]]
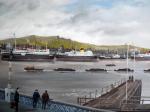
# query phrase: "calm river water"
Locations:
[[67, 86]]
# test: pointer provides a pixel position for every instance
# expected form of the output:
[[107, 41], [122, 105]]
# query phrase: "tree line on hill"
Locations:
[[55, 42]]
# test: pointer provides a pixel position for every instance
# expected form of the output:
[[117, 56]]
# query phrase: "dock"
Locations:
[[124, 97]]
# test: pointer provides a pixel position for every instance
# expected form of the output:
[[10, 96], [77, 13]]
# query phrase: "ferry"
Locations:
[[81, 56], [28, 55]]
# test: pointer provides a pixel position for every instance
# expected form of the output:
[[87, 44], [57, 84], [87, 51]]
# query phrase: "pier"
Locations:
[[124, 97]]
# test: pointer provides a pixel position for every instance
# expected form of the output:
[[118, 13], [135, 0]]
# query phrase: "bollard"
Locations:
[[8, 92]]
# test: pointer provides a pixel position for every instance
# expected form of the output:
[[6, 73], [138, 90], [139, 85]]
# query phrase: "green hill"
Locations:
[[56, 42]]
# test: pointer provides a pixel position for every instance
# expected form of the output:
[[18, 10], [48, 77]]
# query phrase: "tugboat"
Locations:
[[33, 69], [96, 70], [124, 70], [64, 69], [28, 55], [79, 56]]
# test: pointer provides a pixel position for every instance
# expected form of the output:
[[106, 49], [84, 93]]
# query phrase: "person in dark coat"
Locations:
[[36, 97], [45, 99], [16, 99]]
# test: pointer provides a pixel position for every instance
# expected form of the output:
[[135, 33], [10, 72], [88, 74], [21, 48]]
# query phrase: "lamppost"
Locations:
[[9, 74], [127, 72]]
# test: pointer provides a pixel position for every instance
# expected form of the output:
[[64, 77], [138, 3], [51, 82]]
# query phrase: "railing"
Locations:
[[54, 106], [133, 103], [83, 100], [2, 94]]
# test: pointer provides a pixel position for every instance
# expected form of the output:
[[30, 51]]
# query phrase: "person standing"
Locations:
[[36, 97], [45, 99], [16, 99]]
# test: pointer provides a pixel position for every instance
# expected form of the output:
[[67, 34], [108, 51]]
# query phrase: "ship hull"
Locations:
[[77, 58], [27, 57]]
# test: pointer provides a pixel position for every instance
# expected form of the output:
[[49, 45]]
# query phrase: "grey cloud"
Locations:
[[87, 24]]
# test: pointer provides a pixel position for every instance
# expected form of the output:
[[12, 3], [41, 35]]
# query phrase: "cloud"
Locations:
[[97, 21]]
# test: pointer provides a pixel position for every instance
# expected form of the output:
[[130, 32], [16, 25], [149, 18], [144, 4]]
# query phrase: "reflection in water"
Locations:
[[67, 86]]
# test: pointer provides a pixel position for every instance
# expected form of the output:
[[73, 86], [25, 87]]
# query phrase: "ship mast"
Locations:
[[46, 45], [15, 39]]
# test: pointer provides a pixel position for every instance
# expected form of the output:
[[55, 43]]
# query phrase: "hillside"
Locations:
[[56, 42]]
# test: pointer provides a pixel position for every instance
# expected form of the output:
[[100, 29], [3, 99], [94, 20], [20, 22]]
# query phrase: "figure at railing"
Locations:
[[45, 99], [16, 99], [36, 97]]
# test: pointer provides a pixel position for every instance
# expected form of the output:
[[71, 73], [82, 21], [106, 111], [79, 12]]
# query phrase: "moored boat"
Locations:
[[147, 70], [33, 69], [110, 65], [124, 70], [28, 55], [115, 56], [141, 57], [96, 70], [64, 69], [81, 56]]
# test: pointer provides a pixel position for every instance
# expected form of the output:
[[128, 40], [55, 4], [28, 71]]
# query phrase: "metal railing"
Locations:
[[2, 94], [53, 106], [84, 99]]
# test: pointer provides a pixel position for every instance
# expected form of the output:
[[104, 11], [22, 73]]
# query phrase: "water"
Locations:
[[67, 86]]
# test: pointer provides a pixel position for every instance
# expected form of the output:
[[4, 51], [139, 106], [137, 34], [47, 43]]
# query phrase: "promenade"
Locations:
[[5, 107]]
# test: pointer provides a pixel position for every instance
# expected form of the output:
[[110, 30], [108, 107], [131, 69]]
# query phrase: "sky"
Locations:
[[100, 22]]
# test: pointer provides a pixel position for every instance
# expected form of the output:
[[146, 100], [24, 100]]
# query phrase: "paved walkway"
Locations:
[[113, 98]]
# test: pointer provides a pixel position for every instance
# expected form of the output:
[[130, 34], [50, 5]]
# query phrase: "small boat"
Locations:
[[148, 70], [96, 70], [104, 57], [124, 70], [115, 56], [64, 69], [33, 69], [110, 65]]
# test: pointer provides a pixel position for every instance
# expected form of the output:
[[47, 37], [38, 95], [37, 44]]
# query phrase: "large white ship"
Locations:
[[74, 55]]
